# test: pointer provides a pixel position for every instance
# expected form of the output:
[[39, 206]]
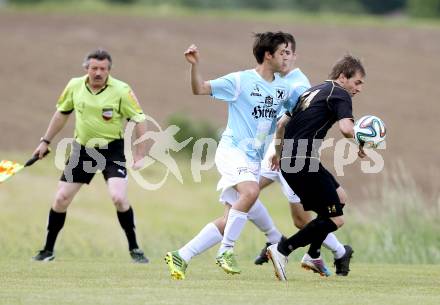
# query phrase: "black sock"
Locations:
[[54, 226], [326, 226], [314, 232], [126, 219]]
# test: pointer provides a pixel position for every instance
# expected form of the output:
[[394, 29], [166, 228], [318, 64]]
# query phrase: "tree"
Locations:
[[383, 7], [424, 8]]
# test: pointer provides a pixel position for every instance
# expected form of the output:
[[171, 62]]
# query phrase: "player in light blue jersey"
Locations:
[[260, 217], [254, 98], [253, 105]]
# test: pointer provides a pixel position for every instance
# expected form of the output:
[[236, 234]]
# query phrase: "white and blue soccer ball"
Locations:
[[370, 130]]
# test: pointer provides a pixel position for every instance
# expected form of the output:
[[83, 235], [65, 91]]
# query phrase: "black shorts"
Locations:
[[316, 189], [84, 162]]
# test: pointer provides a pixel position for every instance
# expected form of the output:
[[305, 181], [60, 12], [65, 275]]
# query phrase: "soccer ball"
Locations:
[[369, 130]]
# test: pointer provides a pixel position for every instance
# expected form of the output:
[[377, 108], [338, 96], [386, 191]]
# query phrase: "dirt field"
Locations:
[[39, 53]]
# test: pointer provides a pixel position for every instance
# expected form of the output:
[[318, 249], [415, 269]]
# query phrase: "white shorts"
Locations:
[[234, 167], [277, 176]]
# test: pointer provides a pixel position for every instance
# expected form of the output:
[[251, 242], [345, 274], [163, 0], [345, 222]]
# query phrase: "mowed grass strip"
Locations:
[[79, 281]]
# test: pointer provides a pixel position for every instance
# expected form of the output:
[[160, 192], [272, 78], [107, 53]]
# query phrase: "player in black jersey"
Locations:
[[300, 134]]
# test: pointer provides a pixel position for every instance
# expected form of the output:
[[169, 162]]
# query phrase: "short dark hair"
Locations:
[[99, 54], [268, 42], [347, 65], [291, 40]]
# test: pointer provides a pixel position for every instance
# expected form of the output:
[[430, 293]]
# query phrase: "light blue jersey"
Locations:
[[253, 106], [298, 83]]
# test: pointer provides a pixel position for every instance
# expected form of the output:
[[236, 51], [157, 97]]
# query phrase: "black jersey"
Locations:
[[317, 110]]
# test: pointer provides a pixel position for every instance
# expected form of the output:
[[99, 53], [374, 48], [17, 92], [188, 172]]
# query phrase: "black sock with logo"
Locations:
[[326, 226], [313, 233]]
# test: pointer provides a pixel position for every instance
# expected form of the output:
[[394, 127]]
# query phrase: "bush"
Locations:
[[424, 8], [190, 128], [383, 7], [121, 1]]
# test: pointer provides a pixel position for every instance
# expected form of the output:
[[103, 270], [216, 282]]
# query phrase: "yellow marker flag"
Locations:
[[8, 169]]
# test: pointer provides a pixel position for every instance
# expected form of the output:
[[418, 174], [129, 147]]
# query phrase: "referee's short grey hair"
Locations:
[[99, 54]]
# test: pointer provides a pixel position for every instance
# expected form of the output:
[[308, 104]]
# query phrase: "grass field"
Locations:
[[93, 266], [94, 281], [395, 233]]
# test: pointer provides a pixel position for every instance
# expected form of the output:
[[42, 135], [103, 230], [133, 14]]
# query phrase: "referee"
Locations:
[[102, 104]]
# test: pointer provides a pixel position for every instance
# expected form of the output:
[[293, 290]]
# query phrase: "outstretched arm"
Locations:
[[141, 148], [198, 85], [278, 139], [57, 123], [346, 127]]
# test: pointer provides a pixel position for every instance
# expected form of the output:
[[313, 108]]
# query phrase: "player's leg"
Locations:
[[212, 233], [209, 236], [247, 193], [318, 194], [265, 182], [259, 216], [237, 217], [343, 253], [301, 218], [327, 205], [240, 189]]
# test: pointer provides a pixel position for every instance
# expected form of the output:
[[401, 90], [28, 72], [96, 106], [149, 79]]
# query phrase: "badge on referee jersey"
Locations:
[[107, 113]]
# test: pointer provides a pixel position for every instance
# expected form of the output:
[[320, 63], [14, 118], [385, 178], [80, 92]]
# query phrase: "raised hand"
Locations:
[[192, 54]]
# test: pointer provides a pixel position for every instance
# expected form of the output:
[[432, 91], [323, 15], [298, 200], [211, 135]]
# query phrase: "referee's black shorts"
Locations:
[[84, 162], [316, 189]]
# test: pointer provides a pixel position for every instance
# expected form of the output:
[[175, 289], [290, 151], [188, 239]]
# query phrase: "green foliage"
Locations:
[[25, 1], [399, 219], [30, 2], [424, 8], [383, 7], [122, 1], [191, 128], [349, 6], [414, 8]]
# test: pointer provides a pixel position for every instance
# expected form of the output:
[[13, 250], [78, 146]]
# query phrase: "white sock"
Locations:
[[333, 244], [207, 237], [234, 226], [259, 215]]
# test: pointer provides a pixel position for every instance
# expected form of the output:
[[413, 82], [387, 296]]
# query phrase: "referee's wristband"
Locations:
[[44, 140]]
